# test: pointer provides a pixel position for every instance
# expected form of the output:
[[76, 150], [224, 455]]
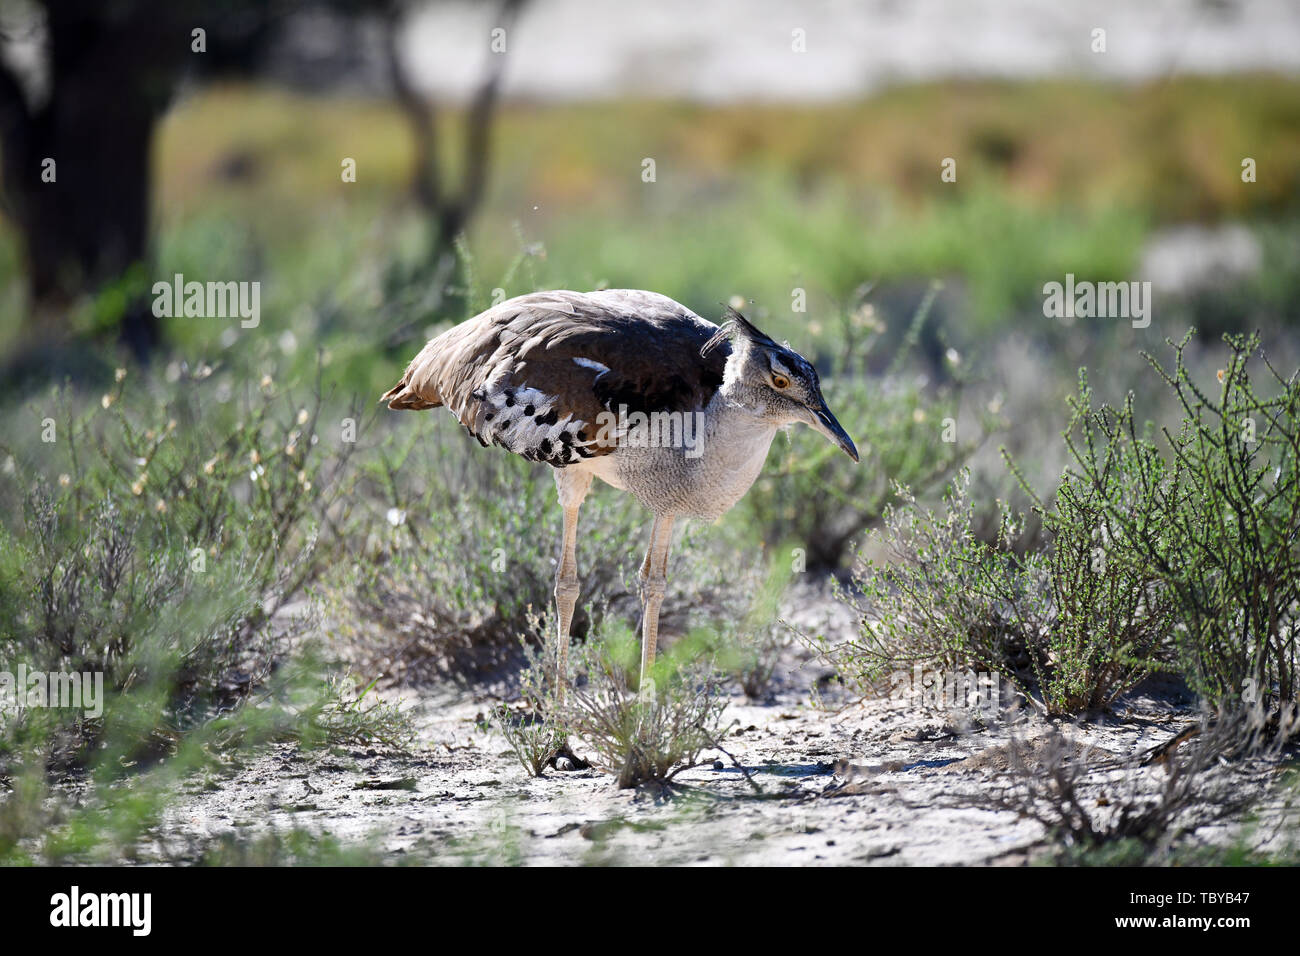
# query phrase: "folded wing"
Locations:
[[542, 373]]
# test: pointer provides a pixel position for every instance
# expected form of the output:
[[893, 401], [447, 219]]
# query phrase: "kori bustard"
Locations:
[[629, 387]]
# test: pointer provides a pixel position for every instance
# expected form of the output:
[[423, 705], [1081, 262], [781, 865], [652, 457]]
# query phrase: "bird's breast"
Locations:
[[703, 479]]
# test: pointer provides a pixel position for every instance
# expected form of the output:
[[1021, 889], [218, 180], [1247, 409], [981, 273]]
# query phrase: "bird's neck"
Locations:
[[736, 430], [741, 406]]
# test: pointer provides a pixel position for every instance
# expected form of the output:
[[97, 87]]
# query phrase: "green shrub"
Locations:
[[164, 539], [941, 598], [1112, 616], [533, 737], [1215, 520], [655, 734], [1072, 626], [1188, 557], [535, 729]]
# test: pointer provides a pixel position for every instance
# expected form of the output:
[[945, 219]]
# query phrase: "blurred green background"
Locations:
[[369, 560]]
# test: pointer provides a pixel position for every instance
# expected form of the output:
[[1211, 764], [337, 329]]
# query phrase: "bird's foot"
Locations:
[[563, 758]]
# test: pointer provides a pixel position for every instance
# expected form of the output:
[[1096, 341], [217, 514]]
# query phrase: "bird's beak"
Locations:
[[821, 419]]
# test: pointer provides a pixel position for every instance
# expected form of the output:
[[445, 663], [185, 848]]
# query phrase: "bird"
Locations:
[[632, 388]]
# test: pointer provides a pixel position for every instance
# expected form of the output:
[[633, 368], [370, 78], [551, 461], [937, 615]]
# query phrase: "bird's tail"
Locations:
[[400, 396]]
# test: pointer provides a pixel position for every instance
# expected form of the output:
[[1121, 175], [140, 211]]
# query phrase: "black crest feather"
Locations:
[[734, 326]]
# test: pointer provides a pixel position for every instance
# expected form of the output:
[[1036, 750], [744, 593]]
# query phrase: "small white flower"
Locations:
[[396, 517]]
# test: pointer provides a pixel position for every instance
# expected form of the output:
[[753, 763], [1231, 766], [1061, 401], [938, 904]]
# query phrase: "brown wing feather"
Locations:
[[568, 356]]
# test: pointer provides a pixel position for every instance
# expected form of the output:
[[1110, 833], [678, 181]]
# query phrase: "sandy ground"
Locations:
[[915, 782], [883, 782]]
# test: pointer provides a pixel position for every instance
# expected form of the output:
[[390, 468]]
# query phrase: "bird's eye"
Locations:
[[780, 381]]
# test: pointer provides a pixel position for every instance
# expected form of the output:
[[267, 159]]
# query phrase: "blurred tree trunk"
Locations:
[[449, 212], [112, 68]]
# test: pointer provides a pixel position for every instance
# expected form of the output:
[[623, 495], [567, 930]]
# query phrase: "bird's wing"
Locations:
[[542, 373]]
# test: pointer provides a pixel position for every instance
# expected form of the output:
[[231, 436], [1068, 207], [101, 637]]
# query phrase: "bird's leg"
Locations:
[[654, 580], [566, 597], [643, 575], [573, 488]]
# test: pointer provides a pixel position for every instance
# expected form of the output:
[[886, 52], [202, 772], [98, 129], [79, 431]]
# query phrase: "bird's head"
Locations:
[[774, 382]]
